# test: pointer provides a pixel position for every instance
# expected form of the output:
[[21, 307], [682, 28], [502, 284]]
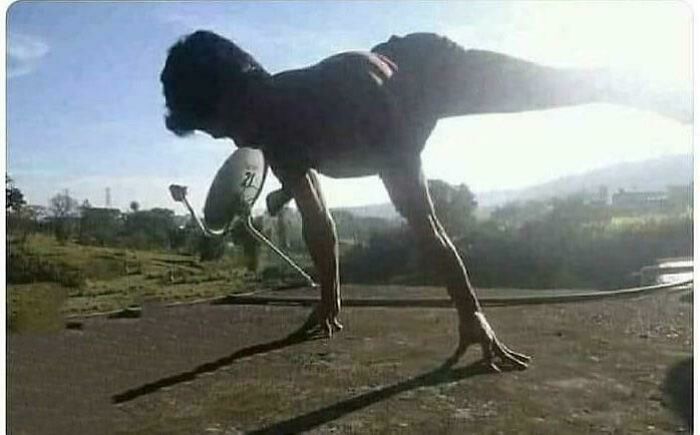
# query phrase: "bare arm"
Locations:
[[322, 241]]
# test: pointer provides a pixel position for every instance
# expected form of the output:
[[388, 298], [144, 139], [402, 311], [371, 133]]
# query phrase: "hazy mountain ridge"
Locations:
[[647, 175], [383, 211]]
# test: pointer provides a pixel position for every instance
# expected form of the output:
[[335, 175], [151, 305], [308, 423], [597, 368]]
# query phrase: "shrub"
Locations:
[[24, 268]]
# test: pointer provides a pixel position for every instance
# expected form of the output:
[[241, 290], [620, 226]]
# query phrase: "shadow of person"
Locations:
[[678, 387], [441, 375], [296, 337]]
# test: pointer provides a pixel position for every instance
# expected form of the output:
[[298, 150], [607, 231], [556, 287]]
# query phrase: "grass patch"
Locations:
[[95, 279], [35, 308]]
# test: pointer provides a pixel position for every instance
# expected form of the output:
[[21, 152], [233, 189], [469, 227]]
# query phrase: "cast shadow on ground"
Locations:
[[296, 337], [678, 387], [313, 419]]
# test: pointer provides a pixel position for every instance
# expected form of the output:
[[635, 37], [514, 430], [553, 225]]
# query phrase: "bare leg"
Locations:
[[322, 241], [487, 82], [445, 79], [409, 193]]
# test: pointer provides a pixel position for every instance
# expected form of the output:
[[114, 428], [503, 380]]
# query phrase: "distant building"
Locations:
[[681, 197], [639, 201], [601, 198], [674, 199]]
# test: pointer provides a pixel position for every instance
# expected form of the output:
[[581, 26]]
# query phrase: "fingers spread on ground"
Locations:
[[505, 352], [326, 328], [520, 357], [518, 364], [513, 363], [492, 365], [335, 323], [505, 357]]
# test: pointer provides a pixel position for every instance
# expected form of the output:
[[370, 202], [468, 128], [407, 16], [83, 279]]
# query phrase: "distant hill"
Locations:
[[384, 211], [653, 174], [646, 175]]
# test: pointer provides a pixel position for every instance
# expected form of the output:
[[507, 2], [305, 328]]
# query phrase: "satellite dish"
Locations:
[[232, 194], [235, 188]]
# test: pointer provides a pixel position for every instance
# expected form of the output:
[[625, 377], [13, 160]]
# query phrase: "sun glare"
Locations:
[[653, 38]]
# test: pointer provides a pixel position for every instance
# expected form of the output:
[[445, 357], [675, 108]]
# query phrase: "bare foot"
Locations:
[[321, 322], [496, 355]]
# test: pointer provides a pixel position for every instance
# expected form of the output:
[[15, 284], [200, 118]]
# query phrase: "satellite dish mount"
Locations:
[[232, 194]]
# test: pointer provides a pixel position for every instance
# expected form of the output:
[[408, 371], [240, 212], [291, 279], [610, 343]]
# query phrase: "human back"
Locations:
[[338, 115]]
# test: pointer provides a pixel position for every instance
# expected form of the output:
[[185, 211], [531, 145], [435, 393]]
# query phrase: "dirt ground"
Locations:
[[622, 366]]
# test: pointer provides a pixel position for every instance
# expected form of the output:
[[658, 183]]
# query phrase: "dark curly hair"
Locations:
[[198, 68]]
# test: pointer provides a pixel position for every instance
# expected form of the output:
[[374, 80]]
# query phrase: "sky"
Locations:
[[85, 106]]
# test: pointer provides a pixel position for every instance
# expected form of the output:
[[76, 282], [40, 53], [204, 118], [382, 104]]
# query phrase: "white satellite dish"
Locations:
[[232, 194], [235, 188]]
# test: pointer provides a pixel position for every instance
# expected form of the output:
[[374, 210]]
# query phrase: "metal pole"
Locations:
[[258, 235], [201, 225]]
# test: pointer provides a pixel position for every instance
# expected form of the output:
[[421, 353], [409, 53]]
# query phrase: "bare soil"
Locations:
[[598, 367]]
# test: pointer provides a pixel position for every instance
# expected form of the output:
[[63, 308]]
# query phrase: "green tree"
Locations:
[[454, 206], [387, 255], [62, 205], [14, 198], [20, 219], [250, 245], [515, 214], [210, 248], [150, 228], [62, 208], [100, 225]]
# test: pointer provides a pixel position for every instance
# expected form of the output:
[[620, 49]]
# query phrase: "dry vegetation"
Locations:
[[72, 279]]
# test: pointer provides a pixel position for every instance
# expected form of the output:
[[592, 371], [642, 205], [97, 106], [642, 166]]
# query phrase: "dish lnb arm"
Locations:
[[261, 238], [179, 194]]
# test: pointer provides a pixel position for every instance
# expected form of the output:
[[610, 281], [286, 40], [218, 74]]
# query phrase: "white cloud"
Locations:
[[24, 53]]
